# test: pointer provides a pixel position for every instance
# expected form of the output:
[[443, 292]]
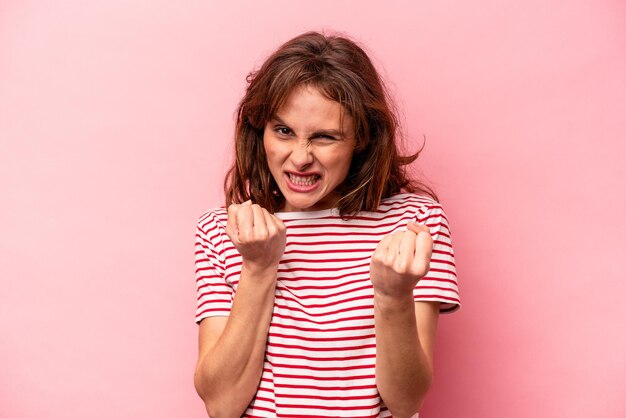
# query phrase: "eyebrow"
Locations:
[[330, 132]]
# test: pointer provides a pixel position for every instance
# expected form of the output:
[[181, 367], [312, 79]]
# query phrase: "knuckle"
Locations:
[[401, 266], [245, 235], [421, 271], [262, 235], [388, 262]]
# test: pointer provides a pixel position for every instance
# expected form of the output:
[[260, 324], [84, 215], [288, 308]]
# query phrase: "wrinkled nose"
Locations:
[[301, 154]]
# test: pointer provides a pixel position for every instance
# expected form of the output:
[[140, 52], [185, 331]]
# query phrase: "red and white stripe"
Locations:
[[321, 348]]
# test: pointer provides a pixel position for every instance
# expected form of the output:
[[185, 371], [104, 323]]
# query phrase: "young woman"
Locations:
[[320, 285]]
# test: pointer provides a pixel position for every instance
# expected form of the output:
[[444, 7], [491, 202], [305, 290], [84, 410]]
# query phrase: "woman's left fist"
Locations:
[[400, 260]]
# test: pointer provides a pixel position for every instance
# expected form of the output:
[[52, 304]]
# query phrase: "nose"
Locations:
[[301, 154]]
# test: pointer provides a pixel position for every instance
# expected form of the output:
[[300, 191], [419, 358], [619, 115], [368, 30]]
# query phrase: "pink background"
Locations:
[[115, 128]]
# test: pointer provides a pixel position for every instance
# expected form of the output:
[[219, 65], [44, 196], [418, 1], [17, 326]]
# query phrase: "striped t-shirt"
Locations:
[[321, 347]]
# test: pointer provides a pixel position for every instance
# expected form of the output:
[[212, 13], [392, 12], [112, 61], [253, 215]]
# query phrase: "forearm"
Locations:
[[228, 375], [403, 370]]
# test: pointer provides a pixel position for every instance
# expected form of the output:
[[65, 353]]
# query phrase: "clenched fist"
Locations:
[[259, 236], [400, 260]]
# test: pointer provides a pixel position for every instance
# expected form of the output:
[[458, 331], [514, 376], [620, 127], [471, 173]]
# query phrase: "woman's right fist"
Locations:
[[259, 236]]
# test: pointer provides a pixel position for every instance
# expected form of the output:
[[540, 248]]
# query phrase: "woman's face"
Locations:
[[309, 150]]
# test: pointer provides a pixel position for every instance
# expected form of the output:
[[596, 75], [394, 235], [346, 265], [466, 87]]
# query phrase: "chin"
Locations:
[[300, 204]]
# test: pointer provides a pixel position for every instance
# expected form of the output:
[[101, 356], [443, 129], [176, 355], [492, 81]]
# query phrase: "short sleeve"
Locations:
[[214, 294], [440, 284]]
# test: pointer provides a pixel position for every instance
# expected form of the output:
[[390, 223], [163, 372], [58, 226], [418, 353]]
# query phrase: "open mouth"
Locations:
[[303, 180]]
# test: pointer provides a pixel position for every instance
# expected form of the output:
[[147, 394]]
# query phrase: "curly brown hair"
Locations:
[[342, 72]]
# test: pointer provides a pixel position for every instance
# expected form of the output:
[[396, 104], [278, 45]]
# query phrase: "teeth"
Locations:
[[302, 180]]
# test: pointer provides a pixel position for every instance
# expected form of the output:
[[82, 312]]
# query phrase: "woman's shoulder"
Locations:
[[214, 218], [421, 203]]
